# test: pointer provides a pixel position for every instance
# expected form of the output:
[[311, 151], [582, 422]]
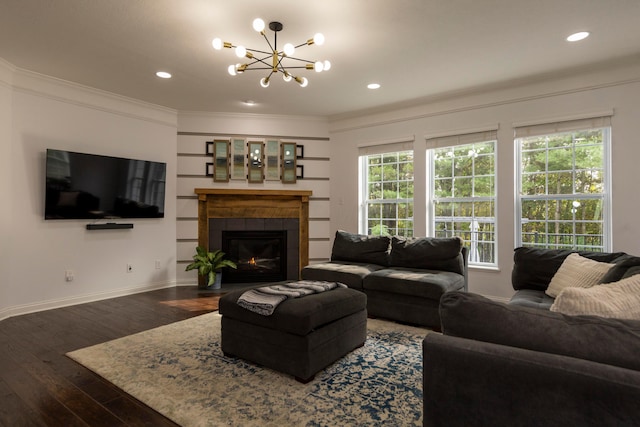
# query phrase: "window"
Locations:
[[387, 194], [463, 195], [563, 184]]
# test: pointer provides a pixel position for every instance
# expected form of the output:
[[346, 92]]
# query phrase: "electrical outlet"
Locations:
[[157, 264], [129, 268], [68, 275]]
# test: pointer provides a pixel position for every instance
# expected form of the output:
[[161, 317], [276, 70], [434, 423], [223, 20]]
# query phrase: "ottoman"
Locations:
[[302, 336]]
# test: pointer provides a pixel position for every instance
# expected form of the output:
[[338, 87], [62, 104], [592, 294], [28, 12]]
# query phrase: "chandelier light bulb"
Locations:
[[327, 65], [318, 66], [286, 76], [264, 82], [241, 51], [289, 49], [258, 25], [318, 39], [217, 43], [232, 70], [304, 82]]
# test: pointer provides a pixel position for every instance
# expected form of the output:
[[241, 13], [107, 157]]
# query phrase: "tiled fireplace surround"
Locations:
[[228, 209]]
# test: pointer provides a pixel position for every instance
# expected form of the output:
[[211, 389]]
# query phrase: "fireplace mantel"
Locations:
[[250, 203]]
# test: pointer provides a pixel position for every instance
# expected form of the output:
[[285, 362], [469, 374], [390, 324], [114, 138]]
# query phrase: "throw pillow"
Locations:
[[429, 253], [620, 300], [360, 248], [577, 271], [610, 341]]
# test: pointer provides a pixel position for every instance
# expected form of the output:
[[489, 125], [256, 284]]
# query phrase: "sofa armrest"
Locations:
[[474, 383]]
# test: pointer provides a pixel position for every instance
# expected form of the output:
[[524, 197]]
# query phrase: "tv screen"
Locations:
[[89, 186]]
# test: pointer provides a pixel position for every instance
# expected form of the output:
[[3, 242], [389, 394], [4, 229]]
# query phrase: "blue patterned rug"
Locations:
[[180, 371]]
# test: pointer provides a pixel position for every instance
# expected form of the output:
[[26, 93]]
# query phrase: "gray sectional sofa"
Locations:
[[533, 269], [520, 364], [403, 279]]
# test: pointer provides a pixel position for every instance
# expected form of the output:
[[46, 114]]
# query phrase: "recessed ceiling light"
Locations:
[[163, 75], [578, 36], [373, 86], [249, 102]]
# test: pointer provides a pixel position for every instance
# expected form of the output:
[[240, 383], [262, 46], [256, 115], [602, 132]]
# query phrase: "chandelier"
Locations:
[[274, 59]]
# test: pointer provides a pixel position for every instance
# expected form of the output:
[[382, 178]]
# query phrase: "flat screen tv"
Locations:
[[90, 186]]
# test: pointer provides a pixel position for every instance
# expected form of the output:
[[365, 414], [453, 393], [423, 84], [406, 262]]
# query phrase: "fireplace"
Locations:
[[261, 255], [226, 209]]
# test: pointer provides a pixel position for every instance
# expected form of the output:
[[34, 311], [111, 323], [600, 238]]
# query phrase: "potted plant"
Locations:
[[209, 265]]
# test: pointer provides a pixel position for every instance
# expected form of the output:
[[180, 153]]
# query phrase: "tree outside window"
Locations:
[[463, 197], [388, 198], [563, 190]]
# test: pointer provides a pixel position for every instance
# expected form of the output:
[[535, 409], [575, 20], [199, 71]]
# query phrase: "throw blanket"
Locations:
[[266, 299]]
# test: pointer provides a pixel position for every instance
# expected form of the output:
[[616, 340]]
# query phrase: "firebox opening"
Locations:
[[261, 256]]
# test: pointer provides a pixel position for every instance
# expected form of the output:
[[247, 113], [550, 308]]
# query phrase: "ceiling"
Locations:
[[415, 49]]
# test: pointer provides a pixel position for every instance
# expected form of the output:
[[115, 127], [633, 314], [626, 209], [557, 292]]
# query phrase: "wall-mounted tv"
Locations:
[[90, 186]]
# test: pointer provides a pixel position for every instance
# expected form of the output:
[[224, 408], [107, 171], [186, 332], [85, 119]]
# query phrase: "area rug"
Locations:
[[179, 370]]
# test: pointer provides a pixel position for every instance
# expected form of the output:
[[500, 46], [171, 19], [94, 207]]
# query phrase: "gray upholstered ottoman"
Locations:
[[303, 335]]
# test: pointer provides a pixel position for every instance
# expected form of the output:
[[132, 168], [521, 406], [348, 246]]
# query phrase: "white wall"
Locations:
[[6, 73], [195, 129], [48, 113], [617, 88]]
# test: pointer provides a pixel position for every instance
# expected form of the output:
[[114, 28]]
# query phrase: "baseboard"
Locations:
[[19, 310]]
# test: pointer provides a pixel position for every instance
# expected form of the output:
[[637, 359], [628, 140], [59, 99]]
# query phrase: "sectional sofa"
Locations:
[[527, 364], [403, 278]]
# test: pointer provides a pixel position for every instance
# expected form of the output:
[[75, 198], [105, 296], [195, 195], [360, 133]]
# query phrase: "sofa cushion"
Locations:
[[429, 284], [620, 300], [428, 253], [349, 273], [632, 271], [533, 268], [620, 268], [577, 271], [611, 341], [360, 248], [532, 298]]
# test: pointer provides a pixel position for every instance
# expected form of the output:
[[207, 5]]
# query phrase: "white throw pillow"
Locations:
[[577, 271], [620, 300]]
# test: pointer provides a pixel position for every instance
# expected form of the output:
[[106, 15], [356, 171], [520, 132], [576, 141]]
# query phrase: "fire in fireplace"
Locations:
[[261, 255]]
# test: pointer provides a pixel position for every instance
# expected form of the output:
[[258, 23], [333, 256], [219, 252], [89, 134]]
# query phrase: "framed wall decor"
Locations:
[[238, 159], [208, 148], [272, 160], [221, 161], [288, 162], [255, 161]]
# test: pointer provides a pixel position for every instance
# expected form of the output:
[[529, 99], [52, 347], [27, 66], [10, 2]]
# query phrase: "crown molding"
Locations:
[[32, 83], [617, 73]]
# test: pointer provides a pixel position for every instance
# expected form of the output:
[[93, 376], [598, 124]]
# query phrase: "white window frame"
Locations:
[[602, 123], [457, 140]]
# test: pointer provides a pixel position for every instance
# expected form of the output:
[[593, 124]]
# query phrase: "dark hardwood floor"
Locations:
[[40, 386]]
